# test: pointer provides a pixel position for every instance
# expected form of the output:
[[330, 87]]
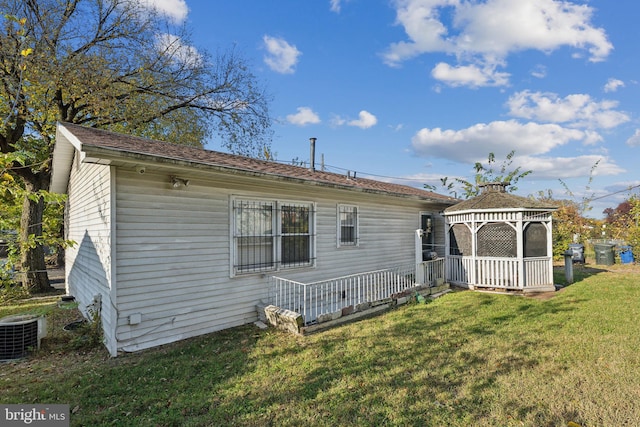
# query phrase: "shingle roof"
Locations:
[[497, 200], [117, 142]]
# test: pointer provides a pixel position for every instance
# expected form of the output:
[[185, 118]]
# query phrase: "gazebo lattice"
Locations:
[[500, 240]]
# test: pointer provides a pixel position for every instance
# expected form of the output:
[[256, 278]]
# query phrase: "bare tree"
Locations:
[[113, 64]]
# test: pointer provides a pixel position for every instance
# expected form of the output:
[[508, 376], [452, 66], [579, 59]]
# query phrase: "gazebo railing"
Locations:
[[501, 273], [538, 271], [459, 269]]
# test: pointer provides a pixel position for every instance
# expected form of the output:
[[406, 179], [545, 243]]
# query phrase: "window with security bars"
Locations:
[[347, 225], [268, 235]]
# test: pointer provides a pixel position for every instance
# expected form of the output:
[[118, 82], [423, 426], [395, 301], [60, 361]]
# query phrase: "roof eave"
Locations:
[[95, 154], [66, 144]]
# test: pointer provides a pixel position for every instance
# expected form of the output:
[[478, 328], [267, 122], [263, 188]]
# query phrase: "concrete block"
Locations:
[[326, 317], [363, 306], [260, 325], [284, 319], [347, 310]]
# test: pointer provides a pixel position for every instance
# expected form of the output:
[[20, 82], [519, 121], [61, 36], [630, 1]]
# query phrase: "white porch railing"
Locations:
[[499, 272], [427, 272], [328, 296]]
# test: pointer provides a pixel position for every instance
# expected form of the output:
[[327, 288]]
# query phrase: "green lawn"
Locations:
[[465, 359]]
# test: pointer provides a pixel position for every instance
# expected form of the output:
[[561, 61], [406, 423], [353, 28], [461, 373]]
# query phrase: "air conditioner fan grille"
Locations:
[[17, 339]]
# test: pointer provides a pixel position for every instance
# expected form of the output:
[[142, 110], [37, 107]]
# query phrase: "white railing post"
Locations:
[[420, 279], [304, 304]]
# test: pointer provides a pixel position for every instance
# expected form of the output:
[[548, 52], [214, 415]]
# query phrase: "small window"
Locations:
[[347, 225]]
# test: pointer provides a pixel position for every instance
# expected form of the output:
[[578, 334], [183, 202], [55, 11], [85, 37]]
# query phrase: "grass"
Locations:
[[465, 359]]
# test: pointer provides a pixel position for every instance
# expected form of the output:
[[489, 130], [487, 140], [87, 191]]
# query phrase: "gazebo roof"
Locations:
[[495, 198]]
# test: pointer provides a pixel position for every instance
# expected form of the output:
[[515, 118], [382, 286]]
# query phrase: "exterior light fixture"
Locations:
[[177, 182]]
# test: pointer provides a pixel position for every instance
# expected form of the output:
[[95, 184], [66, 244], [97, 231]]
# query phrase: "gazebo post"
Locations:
[[447, 249], [549, 225], [474, 252], [520, 250]]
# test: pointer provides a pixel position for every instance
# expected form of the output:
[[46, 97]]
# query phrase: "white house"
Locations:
[[174, 242]]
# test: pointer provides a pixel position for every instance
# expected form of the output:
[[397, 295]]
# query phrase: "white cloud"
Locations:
[[335, 6], [337, 121], [468, 75], [365, 120], [175, 10], [473, 144], [570, 167], [281, 57], [577, 110], [539, 72], [634, 141], [613, 85], [178, 51], [304, 116], [486, 32]]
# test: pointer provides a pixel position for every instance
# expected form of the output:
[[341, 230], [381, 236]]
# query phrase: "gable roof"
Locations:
[[100, 144]]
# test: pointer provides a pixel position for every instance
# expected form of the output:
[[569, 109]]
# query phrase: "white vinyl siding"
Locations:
[[89, 225], [172, 265]]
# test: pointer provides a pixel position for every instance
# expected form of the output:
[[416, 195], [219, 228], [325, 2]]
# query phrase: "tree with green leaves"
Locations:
[[483, 174], [118, 65]]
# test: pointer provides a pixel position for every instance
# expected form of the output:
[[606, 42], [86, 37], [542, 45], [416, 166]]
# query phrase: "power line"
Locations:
[[338, 169], [616, 192]]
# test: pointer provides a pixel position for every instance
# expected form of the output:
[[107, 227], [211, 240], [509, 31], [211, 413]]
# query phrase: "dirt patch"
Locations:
[[545, 295]]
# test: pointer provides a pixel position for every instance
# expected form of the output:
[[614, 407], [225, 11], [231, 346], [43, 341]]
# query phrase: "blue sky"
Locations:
[[411, 91]]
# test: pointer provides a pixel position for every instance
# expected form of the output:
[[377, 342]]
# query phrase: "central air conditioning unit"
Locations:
[[21, 334]]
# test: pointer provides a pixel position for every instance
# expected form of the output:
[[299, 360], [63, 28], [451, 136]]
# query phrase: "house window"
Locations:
[[347, 225], [296, 237], [268, 235]]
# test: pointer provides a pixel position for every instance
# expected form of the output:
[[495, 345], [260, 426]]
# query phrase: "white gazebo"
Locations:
[[498, 240]]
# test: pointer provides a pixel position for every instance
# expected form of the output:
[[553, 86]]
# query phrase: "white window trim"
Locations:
[[339, 244], [277, 236]]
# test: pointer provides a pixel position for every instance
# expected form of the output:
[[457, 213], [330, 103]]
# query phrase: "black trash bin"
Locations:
[[605, 254], [577, 252]]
